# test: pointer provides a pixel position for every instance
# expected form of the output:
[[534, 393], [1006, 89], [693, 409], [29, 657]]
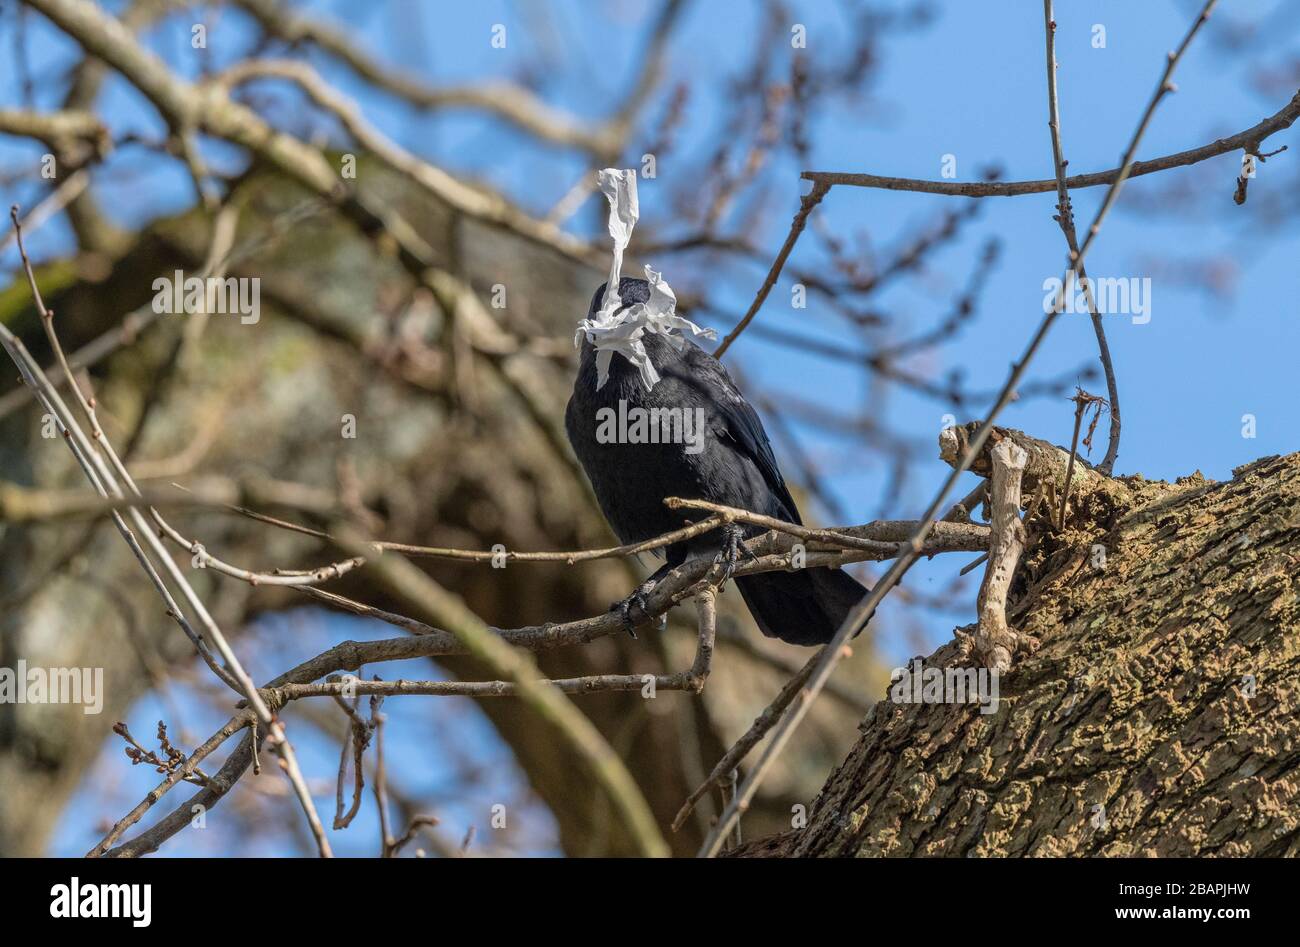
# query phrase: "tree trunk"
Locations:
[[1157, 716]]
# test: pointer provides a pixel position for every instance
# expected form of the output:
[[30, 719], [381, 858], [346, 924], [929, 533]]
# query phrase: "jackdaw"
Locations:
[[726, 460]]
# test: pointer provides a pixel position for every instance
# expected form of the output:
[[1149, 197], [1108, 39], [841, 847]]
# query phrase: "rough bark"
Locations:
[[1138, 699]]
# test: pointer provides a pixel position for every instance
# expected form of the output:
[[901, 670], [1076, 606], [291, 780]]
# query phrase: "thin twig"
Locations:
[[806, 205], [407, 583], [1065, 217], [750, 739], [104, 467], [1279, 121], [861, 613]]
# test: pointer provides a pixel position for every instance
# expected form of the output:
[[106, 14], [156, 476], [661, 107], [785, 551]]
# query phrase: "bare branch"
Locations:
[[806, 205], [427, 597], [1279, 121], [1065, 217], [513, 103], [862, 612], [103, 470], [59, 130], [995, 642]]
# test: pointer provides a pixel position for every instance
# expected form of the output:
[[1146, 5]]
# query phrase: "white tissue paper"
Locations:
[[612, 330]]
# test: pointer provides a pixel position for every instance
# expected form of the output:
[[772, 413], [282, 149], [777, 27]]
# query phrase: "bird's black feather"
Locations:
[[735, 467]]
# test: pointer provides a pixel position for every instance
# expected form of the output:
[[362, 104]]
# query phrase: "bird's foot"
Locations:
[[634, 601], [733, 544]]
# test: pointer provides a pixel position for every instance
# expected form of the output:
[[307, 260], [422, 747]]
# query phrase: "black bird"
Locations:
[[732, 465]]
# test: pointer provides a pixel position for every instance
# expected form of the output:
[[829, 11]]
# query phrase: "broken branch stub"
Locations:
[[995, 642], [1045, 464]]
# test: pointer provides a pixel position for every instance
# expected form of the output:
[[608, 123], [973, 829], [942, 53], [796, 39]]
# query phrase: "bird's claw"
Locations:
[[624, 608], [733, 544]]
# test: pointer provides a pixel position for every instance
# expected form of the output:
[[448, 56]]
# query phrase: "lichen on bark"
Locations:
[[1157, 716]]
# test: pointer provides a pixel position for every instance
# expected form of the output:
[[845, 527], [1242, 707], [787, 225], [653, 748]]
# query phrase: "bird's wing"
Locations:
[[741, 422]]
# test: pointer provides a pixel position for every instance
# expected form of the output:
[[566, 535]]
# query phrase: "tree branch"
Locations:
[[1065, 217], [861, 614], [1279, 121]]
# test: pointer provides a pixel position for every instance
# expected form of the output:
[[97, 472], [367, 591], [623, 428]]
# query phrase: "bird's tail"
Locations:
[[805, 607]]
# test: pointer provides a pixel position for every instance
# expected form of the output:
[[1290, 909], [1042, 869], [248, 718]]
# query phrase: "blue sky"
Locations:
[[971, 85]]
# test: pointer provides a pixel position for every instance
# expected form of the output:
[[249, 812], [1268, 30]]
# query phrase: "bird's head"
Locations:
[[620, 324], [630, 291]]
